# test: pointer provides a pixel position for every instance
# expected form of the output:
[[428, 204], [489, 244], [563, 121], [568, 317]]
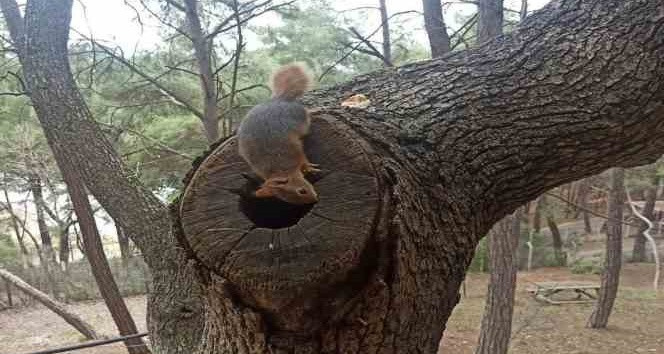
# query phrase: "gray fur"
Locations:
[[263, 136]]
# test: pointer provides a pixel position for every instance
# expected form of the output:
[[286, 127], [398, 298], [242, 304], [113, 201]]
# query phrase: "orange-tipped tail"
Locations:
[[290, 81]]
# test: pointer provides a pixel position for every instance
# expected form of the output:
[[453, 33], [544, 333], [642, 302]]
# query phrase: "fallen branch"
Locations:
[[83, 327]]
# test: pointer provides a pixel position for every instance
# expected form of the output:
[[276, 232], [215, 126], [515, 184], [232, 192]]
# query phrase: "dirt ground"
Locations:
[[635, 327]]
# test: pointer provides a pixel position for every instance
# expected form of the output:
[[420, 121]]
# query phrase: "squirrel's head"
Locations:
[[294, 189]]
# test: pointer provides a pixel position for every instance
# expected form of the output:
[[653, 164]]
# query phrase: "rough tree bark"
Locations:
[[496, 328], [613, 261], [94, 250], [83, 327], [448, 148], [639, 248], [434, 23], [78, 143]]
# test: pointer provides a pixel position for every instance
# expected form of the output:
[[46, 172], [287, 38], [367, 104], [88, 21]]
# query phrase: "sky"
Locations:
[[115, 21]]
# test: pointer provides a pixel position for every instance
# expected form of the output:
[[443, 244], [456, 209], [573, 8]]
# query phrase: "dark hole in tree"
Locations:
[[271, 213]]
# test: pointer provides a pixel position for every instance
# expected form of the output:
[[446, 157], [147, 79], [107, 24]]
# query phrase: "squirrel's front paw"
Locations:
[[310, 167]]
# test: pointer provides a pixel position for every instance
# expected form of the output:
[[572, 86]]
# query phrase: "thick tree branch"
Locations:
[[499, 117]]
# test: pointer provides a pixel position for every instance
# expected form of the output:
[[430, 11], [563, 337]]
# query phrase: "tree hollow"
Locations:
[[293, 263]]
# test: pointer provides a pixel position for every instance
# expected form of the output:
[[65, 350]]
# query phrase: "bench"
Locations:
[[586, 292]]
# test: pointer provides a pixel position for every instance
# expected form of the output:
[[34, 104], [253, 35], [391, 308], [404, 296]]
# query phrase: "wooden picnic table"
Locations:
[[585, 291]]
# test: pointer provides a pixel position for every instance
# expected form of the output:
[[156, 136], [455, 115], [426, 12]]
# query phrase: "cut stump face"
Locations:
[[279, 258]]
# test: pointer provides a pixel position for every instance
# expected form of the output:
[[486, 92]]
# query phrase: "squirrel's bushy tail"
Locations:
[[290, 81]]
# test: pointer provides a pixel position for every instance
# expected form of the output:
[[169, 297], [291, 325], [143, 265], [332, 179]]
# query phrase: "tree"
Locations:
[[503, 240], [496, 328], [434, 23], [611, 273], [94, 252], [430, 185], [490, 19], [639, 249]]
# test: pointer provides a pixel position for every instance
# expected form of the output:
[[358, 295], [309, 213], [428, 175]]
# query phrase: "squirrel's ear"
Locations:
[[264, 192]]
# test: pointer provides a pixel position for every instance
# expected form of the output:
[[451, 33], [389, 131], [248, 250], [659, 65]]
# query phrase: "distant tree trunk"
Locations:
[[490, 20], [523, 12], [537, 214], [123, 241], [83, 327], [434, 23], [557, 240], [203, 53], [385, 21], [587, 224], [48, 260], [639, 249], [582, 199], [94, 251], [8, 289], [496, 327], [611, 273], [64, 247]]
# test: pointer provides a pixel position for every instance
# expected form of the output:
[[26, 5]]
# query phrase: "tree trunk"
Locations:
[[448, 148], [537, 215], [64, 247], [587, 224], [48, 260], [490, 20], [8, 289], [557, 241], [611, 274], [385, 22], [639, 249], [83, 327], [94, 250], [434, 23], [582, 199], [496, 328], [203, 52], [123, 241]]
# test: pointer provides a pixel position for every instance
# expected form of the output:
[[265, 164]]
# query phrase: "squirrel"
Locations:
[[270, 139]]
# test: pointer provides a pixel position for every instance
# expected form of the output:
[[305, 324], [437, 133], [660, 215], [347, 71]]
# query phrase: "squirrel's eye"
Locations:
[[281, 181]]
